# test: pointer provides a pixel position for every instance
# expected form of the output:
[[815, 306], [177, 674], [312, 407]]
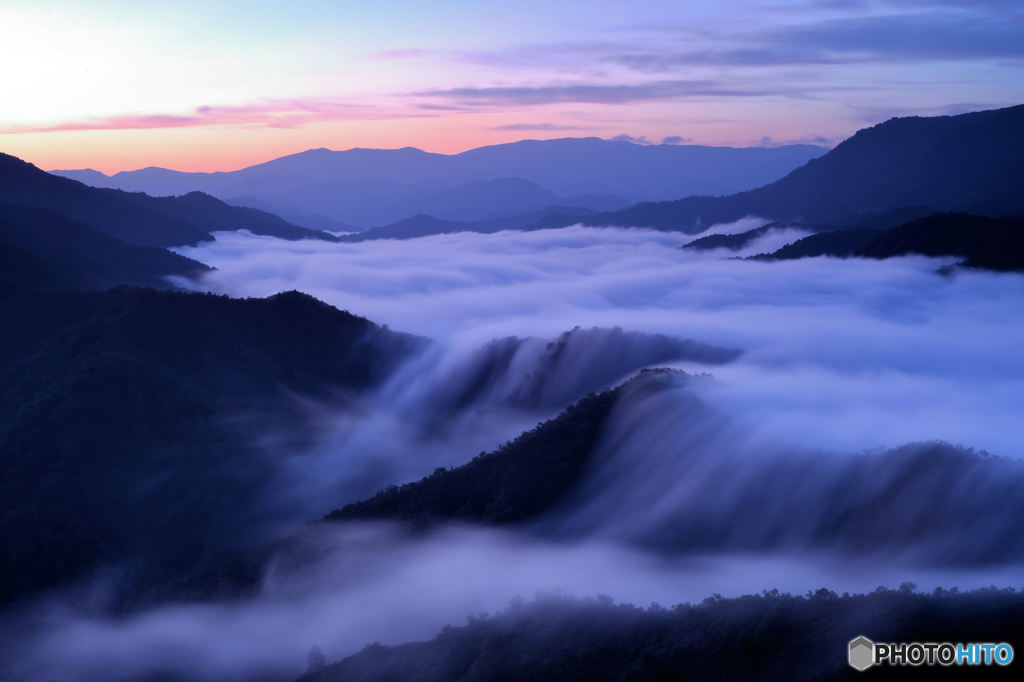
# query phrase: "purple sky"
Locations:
[[118, 85]]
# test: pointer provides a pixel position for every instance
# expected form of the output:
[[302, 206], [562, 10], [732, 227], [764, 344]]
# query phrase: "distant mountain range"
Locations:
[[971, 163], [136, 218], [422, 225], [370, 187]]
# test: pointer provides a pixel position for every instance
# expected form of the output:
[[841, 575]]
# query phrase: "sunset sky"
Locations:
[[191, 85]]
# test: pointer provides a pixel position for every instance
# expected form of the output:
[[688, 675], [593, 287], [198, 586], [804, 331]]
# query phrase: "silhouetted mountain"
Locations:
[[214, 215], [130, 421], [880, 220], [86, 176], [44, 250], [733, 242], [839, 243], [419, 225], [135, 218], [635, 493], [971, 162], [369, 187], [772, 636], [518, 481], [424, 225], [107, 211], [991, 243]]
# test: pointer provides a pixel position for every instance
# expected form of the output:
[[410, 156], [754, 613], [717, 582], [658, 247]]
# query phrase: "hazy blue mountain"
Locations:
[[367, 187], [42, 249], [295, 215], [482, 197], [421, 225], [88, 176], [133, 217], [982, 242], [971, 162], [214, 215]]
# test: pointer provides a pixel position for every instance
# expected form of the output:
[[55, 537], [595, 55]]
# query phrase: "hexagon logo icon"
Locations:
[[862, 653]]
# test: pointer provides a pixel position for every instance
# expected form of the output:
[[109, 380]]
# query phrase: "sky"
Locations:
[[117, 85]]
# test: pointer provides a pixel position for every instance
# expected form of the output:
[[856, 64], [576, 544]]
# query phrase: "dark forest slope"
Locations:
[[136, 218], [761, 637], [990, 243], [42, 249], [128, 420]]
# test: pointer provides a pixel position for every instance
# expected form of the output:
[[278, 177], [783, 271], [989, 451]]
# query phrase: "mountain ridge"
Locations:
[[358, 186], [134, 217], [964, 163]]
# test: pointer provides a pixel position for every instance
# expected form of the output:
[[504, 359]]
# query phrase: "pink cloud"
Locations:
[[274, 113]]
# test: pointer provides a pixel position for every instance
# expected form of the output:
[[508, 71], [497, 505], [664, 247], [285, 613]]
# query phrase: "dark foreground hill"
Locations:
[[42, 249], [128, 422], [771, 636], [989, 243], [971, 163], [136, 218]]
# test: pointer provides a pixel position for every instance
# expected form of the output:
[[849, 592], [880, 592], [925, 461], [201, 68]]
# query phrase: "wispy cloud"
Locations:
[[917, 37], [273, 113], [819, 140], [642, 140], [537, 126], [934, 30], [604, 93]]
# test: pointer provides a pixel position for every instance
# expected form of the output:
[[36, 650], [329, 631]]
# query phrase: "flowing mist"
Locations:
[[775, 471]]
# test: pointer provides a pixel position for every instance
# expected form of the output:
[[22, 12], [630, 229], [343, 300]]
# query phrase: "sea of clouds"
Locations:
[[837, 361]]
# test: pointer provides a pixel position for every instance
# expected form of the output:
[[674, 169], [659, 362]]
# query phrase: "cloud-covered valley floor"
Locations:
[[816, 364], [848, 354]]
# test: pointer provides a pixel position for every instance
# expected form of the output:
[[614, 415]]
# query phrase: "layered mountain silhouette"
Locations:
[[372, 187], [42, 249], [990, 243], [136, 218], [558, 478], [422, 225], [129, 422], [968, 163], [131, 419]]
